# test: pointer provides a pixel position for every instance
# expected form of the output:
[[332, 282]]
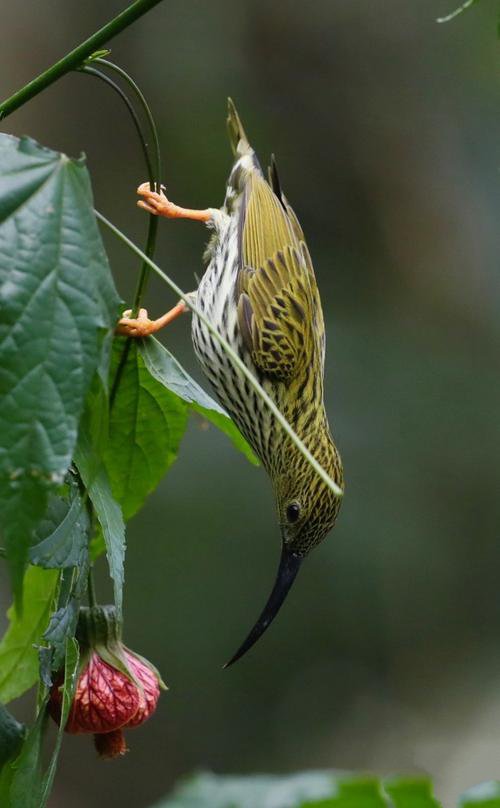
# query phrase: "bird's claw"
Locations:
[[156, 203], [159, 205], [140, 326]]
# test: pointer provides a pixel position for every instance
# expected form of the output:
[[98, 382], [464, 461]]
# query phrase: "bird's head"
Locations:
[[307, 509]]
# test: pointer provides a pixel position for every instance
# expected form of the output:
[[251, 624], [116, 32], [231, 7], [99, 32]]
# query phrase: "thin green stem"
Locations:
[[91, 588], [91, 71], [232, 355], [154, 174], [144, 274], [78, 55], [145, 106], [119, 372], [154, 178]]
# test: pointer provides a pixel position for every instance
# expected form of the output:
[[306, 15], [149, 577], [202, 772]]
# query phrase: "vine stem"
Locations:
[[318, 468], [91, 588], [154, 173], [74, 58], [145, 106], [154, 176], [91, 71]]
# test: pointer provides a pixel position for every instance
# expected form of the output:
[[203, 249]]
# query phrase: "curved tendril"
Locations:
[[154, 174], [154, 177], [145, 106], [92, 71]]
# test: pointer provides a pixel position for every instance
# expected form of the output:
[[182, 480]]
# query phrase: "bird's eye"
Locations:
[[293, 512]]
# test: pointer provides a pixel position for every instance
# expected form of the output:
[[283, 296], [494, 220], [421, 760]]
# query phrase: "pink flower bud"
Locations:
[[116, 688], [105, 699]]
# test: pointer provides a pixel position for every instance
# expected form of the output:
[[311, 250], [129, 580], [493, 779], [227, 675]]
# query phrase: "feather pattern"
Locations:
[[260, 291]]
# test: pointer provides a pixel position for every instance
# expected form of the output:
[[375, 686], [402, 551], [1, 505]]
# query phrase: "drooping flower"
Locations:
[[116, 689]]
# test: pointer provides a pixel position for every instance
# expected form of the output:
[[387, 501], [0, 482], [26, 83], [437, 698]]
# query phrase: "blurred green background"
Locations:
[[386, 130]]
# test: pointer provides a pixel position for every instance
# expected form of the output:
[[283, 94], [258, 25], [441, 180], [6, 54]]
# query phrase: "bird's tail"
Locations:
[[237, 137]]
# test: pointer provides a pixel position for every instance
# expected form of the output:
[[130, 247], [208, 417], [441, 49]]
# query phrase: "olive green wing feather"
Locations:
[[279, 309]]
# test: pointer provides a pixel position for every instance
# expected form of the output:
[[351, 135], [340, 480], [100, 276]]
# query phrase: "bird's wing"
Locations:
[[319, 323], [279, 309]]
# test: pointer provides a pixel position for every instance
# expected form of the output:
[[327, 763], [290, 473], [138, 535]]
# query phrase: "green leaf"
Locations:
[[25, 788], [167, 370], [58, 298], [12, 734], [61, 628], [265, 791], [63, 622], [72, 658], [66, 545], [409, 792], [18, 657], [146, 426], [485, 795], [108, 511]]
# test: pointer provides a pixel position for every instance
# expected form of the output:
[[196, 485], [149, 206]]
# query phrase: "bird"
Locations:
[[260, 292]]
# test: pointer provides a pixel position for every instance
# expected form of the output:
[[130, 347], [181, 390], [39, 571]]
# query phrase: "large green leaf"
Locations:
[[167, 370], [18, 657], [146, 426], [58, 298]]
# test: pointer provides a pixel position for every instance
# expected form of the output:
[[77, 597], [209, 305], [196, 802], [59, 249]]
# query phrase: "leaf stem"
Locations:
[[91, 588], [78, 55], [232, 355]]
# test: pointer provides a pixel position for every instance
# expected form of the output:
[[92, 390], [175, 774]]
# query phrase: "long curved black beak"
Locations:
[[287, 571]]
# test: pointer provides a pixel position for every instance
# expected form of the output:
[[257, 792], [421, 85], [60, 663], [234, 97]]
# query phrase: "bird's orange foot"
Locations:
[[159, 205], [142, 326]]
